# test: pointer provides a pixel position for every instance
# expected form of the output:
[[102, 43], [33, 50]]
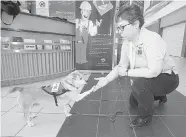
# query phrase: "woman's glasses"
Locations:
[[121, 28]]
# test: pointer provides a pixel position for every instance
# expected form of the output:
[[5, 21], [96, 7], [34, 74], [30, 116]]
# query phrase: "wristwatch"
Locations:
[[126, 73]]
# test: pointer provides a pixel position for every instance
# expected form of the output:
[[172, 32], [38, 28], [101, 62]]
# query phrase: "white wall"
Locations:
[[175, 5]]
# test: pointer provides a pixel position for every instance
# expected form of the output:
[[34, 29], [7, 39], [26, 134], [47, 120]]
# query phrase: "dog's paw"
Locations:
[[68, 115], [30, 124], [67, 109], [33, 116]]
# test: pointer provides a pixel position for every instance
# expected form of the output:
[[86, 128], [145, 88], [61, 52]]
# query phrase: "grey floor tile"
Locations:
[[86, 107], [120, 128], [8, 103], [47, 125], [112, 95], [113, 85], [18, 109], [131, 111], [176, 124], [110, 107], [126, 94], [172, 108], [182, 90], [5, 91], [134, 111], [13, 95], [154, 129], [52, 109], [176, 96], [12, 123], [79, 126], [126, 88], [2, 113], [125, 83], [92, 81], [113, 91], [94, 96], [181, 66]]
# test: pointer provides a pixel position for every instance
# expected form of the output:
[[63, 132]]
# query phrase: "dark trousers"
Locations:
[[145, 90]]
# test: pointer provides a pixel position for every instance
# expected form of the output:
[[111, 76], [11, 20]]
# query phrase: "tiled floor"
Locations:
[[48, 121], [181, 67], [169, 120], [161, 126]]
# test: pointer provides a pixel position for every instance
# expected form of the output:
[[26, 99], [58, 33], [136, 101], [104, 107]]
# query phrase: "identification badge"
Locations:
[[139, 51], [55, 87]]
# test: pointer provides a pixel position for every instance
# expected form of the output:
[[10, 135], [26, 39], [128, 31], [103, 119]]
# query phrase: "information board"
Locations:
[[94, 34]]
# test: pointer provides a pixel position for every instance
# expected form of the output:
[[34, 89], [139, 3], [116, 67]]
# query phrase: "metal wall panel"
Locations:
[[33, 64]]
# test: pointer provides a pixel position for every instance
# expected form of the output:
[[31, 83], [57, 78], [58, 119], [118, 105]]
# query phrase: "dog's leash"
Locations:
[[112, 116]]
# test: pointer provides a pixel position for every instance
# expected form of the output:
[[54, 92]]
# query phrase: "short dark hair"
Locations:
[[130, 13]]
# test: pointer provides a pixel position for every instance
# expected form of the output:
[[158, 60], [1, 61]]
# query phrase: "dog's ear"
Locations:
[[69, 84], [74, 75], [79, 73], [20, 89], [75, 71]]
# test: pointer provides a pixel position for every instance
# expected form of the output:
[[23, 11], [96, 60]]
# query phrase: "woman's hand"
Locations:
[[98, 23], [101, 83], [122, 71]]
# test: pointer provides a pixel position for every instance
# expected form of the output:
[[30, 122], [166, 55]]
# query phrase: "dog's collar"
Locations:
[[70, 84]]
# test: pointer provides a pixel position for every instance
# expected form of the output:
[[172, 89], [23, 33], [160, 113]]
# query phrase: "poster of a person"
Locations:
[[84, 28]]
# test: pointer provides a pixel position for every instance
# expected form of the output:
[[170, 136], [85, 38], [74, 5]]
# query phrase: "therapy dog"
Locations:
[[71, 84]]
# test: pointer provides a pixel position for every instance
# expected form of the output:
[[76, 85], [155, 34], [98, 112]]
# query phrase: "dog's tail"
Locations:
[[16, 89]]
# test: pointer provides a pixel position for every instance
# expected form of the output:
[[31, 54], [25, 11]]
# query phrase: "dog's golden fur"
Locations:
[[29, 96]]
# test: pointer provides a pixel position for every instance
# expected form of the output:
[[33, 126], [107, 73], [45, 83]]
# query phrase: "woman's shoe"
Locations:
[[163, 99], [140, 121]]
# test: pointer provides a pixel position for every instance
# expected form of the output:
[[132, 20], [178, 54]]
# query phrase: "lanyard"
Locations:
[[132, 55]]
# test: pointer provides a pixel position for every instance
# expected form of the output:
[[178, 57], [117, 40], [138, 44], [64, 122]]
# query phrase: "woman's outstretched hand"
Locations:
[[102, 81]]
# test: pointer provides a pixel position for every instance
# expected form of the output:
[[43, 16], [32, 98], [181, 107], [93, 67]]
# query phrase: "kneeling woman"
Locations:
[[145, 60]]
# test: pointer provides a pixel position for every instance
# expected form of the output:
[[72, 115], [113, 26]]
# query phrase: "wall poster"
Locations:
[[94, 34]]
